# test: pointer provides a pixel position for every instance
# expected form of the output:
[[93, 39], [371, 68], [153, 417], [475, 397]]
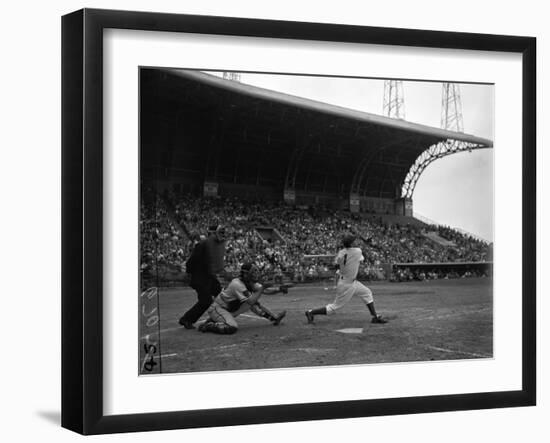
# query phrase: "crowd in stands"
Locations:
[[404, 274], [466, 247], [171, 225], [161, 243]]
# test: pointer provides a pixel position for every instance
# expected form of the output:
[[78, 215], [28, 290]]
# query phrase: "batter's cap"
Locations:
[[348, 240]]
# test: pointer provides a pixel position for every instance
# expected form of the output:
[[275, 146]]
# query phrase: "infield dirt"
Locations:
[[430, 320]]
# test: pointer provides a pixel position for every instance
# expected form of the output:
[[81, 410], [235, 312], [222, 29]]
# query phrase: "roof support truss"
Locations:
[[431, 154]]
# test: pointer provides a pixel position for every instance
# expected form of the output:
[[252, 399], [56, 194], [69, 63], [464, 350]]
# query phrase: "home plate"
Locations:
[[351, 330]]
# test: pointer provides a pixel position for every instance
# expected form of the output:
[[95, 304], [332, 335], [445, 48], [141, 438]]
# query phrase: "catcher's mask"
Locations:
[[249, 272]]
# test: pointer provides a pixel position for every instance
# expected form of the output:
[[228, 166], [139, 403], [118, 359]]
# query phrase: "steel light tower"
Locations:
[[451, 108], [452, 120], [394, 102]]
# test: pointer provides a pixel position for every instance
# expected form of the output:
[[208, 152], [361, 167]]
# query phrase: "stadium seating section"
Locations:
[[170, 225]]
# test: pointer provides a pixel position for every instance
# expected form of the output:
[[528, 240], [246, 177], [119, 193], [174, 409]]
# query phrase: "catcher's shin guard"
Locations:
[[262, 311], [278, 318]]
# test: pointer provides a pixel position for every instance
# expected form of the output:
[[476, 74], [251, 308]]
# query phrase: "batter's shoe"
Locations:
[[378, 319], [186, 323], [310, 317], [278, 318]]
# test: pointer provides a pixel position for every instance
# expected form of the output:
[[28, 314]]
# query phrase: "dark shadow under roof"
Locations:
[[228, 131]]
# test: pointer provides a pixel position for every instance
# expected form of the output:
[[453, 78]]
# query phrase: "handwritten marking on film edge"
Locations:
[[150, 317]]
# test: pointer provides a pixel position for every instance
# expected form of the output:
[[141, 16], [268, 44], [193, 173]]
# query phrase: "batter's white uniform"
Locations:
[[348, 260]]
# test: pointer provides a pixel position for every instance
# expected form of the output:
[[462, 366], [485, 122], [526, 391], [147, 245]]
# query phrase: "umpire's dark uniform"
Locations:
[[205, 262]]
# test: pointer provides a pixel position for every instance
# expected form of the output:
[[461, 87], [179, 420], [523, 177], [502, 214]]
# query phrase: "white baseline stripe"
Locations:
[[451, 351], [254, 317]]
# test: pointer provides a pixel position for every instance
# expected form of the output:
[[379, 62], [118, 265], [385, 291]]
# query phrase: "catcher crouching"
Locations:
[[241, 295]]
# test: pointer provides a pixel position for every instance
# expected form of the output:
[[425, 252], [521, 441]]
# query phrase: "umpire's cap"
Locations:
[[348, 240], [215, 228]]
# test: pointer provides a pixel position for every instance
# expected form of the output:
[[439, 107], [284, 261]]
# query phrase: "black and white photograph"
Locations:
[[285, 221], [291, 221]]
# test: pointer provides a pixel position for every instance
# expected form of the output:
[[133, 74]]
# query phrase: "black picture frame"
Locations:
[[82, 218]]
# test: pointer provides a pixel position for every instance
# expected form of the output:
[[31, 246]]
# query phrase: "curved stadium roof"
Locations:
[[211, 128]]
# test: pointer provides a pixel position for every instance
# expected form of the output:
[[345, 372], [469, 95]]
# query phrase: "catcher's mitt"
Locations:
[[284, 287], [273, 289]]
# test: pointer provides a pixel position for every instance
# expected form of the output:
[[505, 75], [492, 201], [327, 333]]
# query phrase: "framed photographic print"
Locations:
[[258, 216]]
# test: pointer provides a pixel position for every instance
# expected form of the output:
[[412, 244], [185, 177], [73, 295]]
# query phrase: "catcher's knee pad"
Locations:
[[217, 328]]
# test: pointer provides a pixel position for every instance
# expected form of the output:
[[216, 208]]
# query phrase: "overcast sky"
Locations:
[[456, 190]]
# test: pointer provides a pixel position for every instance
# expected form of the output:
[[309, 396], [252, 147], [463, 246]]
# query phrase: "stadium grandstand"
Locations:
[[288, 176]]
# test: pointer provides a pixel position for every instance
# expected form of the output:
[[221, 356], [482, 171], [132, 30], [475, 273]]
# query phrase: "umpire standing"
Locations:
[[204, 264]]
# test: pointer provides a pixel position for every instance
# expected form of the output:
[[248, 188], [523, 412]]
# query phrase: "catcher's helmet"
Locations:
[[248, 270]]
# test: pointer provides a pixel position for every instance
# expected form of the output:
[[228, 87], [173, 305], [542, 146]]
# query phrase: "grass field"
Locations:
[[433, 320]]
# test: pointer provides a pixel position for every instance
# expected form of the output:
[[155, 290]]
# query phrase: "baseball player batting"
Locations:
[[348, 260]]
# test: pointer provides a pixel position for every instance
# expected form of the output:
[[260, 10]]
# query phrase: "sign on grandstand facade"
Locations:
[[404, 206], [354, 203], [289, 196], [408, 207], [210, 189]]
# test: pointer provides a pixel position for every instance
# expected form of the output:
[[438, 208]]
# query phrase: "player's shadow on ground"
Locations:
[[54, 417]]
